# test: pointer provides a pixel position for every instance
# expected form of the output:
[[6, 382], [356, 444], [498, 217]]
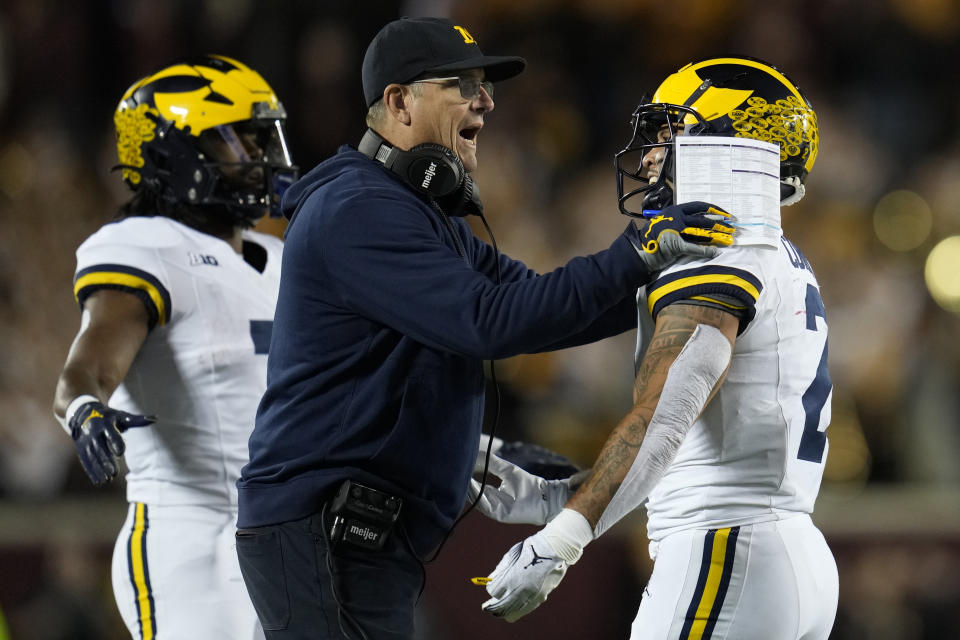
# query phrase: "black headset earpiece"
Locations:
[[430, 169]]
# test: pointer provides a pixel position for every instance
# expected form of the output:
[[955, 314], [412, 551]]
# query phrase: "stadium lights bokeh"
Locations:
[[902, 220], [942, 273]]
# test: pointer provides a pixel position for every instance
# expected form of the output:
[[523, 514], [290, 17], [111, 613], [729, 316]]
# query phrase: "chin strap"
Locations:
[[794, 190]]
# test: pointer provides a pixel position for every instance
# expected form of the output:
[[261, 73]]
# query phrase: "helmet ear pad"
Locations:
[[175, 168]]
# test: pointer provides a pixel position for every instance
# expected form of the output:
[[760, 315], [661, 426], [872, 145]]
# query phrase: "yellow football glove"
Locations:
[[696, 222]]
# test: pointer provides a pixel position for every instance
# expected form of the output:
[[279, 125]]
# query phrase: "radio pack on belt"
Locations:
[[363, 517]]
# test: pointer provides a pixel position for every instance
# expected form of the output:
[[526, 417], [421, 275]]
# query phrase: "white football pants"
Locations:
[[768, 581], [176, 575]]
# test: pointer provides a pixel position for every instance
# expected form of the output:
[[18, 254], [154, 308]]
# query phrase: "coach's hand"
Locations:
[[537, 460], [521, 497], [692, 229], [95, 429]]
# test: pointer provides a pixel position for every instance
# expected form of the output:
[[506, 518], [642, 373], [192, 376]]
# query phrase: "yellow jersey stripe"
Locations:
[[143, 284], [126, 280], [717, 558], [716, 569], [713, 301], [139, 575], [692, 281]]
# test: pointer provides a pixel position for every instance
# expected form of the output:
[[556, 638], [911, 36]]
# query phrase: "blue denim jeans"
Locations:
[[302, 591]]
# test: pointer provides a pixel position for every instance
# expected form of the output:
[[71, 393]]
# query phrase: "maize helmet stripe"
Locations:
[[202, 93], [746, 62], [784, 116], [714, 102]]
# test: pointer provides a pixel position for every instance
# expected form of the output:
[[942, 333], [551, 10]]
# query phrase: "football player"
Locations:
[[177, 298], [726, 441]]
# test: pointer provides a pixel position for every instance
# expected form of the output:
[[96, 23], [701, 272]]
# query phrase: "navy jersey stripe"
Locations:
[[736, 284], [746, 313], [701, 585], [139, 572], [260, 332], [146, 574], [724, 582], [130, 574], [706, 271]]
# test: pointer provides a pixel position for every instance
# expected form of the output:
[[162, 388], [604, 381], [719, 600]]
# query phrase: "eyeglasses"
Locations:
[[469, 86]]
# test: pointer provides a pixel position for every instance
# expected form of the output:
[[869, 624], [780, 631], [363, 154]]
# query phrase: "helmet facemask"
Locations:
[[645, 166], [249, 165]]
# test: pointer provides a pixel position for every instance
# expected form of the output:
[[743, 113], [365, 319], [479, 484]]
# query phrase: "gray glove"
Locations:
[[691, 229], [521, 498]]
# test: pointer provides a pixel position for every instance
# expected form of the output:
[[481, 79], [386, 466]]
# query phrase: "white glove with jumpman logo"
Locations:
[[531, 569]]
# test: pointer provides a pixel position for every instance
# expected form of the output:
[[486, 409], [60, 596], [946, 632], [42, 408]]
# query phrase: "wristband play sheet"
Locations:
[[740, 175]]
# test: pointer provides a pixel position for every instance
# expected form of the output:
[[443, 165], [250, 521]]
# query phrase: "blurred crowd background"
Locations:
[[880, 224]]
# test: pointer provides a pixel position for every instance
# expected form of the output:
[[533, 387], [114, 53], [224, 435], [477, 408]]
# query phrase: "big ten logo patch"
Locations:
[[197, 259]]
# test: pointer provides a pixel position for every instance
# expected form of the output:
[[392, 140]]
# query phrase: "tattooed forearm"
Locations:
[[675, 325], [672, 333], [611, 467]]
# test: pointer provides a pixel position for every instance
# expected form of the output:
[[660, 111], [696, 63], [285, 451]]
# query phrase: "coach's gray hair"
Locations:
[[377, 112]]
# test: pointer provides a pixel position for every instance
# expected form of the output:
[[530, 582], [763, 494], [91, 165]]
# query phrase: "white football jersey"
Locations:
[[202, 369], [759, 447]]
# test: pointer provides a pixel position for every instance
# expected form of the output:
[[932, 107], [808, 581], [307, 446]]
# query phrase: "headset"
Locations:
[[429, 169]]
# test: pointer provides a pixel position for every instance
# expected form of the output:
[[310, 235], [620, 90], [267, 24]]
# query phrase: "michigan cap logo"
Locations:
[[466, 35]]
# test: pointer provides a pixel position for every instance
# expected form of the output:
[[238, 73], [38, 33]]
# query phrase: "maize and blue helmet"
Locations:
[[206, 131], [736, 97]]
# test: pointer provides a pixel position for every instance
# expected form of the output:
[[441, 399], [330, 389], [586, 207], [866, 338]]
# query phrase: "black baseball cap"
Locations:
[[408, 48]]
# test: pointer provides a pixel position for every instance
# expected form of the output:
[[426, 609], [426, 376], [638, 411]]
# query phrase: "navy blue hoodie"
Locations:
[[375, 370]]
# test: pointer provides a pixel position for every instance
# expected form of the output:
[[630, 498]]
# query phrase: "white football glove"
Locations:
[[521, 498], [531, 569]]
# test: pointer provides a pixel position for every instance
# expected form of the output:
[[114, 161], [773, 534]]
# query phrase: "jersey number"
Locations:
[[260, 331], [813, 441]]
